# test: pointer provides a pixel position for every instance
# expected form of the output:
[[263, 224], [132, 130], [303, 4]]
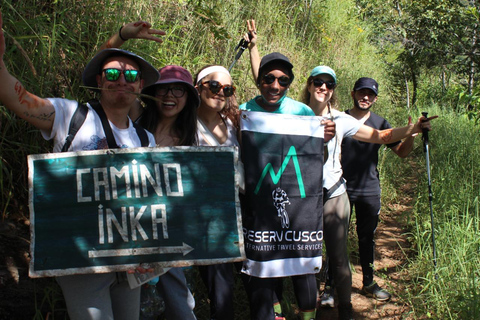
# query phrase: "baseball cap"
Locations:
[[366, 83], [324, 70], [173, 74], [275, 57], [89, 77]]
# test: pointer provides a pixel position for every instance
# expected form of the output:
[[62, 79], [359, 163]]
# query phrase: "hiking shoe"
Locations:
[[376, 292], [327, 299], [279, 316]]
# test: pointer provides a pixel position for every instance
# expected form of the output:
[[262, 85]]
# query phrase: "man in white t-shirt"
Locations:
[[116, 74]]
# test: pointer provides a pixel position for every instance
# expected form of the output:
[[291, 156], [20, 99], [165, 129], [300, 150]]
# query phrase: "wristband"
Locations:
[[120, 34]]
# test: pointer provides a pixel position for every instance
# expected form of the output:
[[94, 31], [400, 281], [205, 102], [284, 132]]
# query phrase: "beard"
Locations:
[[358, 106]]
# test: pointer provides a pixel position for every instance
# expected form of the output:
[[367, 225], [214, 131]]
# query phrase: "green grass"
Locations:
[[454, 148]]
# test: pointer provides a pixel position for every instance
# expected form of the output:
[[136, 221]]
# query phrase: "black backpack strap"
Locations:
[[76, 122], [327, 193], [112, 144], [142, 134]]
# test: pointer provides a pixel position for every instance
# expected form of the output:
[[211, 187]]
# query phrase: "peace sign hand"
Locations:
[[251, 35]]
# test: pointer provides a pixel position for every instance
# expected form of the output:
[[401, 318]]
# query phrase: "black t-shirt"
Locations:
[[360, 159]]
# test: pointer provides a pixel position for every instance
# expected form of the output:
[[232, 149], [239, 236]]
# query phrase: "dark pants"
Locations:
[[262, 294], [219, 280], [367, 210]]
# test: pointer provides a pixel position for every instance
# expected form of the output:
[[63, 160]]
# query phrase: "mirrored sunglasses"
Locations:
[[130, 75], [216, 86], [270, 78], [319, 82]]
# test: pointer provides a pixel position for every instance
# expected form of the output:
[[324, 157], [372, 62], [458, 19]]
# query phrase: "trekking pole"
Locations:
[[241, 46], [430, 194]]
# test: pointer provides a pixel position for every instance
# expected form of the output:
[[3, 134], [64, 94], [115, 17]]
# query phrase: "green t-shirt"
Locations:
[[288, 106]]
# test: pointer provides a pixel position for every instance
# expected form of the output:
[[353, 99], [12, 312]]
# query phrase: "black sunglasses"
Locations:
[[130, 75], [216, 86], [319, 82], [270, 78], [177, 92]]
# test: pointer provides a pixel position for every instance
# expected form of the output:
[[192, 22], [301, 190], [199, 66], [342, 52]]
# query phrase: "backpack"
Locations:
[[79, 117]]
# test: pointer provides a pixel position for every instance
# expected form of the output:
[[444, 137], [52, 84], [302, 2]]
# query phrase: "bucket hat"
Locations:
[[173, 74], [89, 77]]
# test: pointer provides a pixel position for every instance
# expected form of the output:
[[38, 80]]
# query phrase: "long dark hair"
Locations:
[[185, 126], [231, 107]]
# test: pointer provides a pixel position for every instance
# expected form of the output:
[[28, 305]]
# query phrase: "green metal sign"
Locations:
[[102, 211]]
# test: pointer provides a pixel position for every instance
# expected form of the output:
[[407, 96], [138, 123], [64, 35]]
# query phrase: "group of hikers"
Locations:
[[179, 109]]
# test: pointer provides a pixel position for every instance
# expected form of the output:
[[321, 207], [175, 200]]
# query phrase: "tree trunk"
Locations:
[[415, 85], [444, 81], [407, 90], [471, 74]]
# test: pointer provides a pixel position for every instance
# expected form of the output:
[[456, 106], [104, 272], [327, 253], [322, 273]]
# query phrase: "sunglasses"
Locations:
[[319, 82], [270, 78], [130, 75], [177, 92], [215, 87]]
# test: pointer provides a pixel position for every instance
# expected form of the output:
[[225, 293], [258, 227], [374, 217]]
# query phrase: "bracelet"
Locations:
[[120, 34]]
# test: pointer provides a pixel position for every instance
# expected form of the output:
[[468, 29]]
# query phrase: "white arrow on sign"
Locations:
[[185, 249]]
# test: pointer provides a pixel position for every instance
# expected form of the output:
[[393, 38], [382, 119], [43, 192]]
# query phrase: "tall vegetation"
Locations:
[[452, 289], [50, 42], [427, 41], [429, 46]]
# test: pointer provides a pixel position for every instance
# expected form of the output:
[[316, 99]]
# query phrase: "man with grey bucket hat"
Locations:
[[119, 76]]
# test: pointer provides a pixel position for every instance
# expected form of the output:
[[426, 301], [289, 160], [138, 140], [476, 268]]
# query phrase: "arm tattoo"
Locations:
[[386, 135], [42, 117], [26, 98]]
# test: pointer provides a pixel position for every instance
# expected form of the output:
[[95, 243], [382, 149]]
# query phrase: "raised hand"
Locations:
[[133, 30], [251, 38], [140, 30], [13, 95], [251, 35]]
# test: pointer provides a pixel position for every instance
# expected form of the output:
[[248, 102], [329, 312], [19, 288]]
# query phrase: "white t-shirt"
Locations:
[[345, 126], [204, 138], [90, 136]]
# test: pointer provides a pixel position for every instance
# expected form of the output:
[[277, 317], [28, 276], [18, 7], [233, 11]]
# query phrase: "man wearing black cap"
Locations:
[[359, 162], [116, 74], [274, 78]]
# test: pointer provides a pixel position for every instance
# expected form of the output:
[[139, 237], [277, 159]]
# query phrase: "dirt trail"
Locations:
[[391, 252]]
